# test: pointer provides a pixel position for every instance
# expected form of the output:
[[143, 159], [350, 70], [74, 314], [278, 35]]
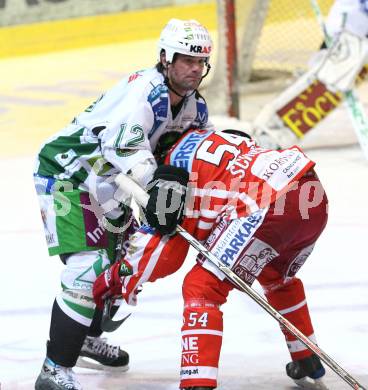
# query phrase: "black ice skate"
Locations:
[[97, 354], [55, 377], [307, 373], [199, 388]]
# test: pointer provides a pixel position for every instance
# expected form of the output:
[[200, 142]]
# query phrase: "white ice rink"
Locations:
[[254, 353]]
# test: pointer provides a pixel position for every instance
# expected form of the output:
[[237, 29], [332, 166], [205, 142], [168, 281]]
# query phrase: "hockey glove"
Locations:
[[109, 283], [167, 190]]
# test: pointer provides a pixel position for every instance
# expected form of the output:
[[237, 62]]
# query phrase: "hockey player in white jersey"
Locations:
[[333, 72], [74, 178]]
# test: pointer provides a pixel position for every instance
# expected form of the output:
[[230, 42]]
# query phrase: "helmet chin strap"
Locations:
[[208, 68], [167, 82]]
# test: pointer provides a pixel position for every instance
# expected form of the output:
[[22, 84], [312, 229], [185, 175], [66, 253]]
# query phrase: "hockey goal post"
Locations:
[[261, 44]]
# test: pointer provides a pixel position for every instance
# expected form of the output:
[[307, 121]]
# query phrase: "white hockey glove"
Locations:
[[111, 197]]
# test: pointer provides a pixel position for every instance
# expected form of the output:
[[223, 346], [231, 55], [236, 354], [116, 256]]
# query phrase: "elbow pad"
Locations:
[[143, 172]]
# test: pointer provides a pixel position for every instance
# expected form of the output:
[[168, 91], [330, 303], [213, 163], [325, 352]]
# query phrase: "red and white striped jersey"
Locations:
[[231, 176]]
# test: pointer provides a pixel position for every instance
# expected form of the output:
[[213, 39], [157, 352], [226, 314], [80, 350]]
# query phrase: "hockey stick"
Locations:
[[355, 107], [107, 323], [141, 197]]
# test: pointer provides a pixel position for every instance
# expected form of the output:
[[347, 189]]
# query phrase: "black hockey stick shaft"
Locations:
[[107, 323]]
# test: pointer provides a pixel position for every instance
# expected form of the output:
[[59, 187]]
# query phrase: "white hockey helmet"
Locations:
[[185, 37]]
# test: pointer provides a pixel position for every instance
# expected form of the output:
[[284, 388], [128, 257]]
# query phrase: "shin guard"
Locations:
[[66, 338], [289, 299], [201, 343]]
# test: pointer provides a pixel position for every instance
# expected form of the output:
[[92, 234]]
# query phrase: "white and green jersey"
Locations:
[[120, 129]]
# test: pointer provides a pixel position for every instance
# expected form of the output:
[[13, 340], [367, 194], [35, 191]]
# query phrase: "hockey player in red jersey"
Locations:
[[258, 210]]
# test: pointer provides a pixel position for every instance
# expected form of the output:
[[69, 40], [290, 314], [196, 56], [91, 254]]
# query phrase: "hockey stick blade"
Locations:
[[141, 198], [107, 323]]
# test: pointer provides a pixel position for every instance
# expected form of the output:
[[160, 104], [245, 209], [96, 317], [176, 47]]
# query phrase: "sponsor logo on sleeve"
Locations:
[[44, 184], [278, 169], [184, 152]]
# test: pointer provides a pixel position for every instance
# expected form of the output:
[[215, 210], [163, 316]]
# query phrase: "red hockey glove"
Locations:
[[108, 284]]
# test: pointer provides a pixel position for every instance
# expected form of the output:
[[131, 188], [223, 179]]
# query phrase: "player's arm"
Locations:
[[126, 145]]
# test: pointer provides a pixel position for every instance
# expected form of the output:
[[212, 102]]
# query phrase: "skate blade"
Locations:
[[311, 384], [84, 362]]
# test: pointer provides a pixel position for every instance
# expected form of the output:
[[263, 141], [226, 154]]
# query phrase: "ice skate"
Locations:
[[198, 388], [55, 377], [307, 373], [97, 354]]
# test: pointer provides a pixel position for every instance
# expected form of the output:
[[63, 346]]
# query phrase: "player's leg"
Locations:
[[204, 290], [74, 232], [283, 290], [249, 246], [288, 297], [73, 313], [203, 294]]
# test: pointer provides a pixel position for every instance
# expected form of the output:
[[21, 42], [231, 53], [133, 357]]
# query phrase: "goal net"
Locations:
[[274, 40]]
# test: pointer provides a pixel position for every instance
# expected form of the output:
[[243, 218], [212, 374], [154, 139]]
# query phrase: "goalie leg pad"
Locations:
[[297, 110], [343, 61]]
